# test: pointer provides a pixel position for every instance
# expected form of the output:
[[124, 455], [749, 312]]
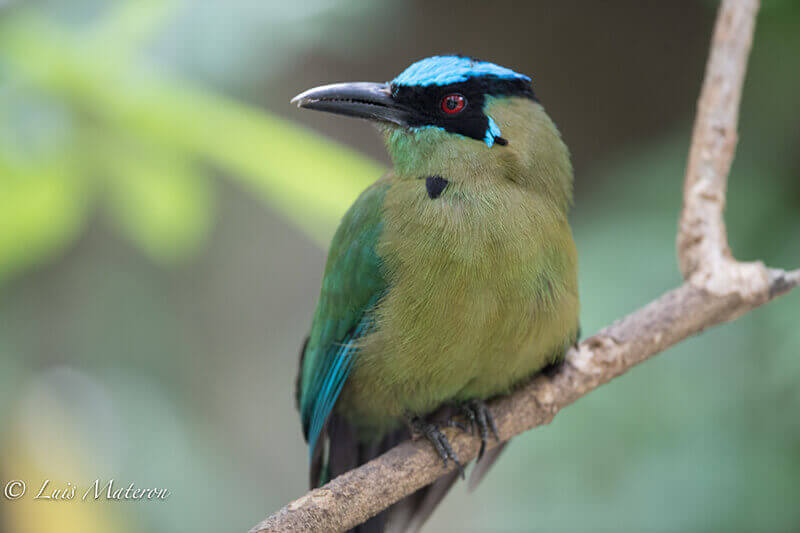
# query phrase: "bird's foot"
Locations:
[[479, 416], [433, 433], [553, 368]]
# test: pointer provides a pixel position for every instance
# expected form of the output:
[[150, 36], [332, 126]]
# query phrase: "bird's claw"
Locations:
[[456, 424], [433, 433], [479, 416]]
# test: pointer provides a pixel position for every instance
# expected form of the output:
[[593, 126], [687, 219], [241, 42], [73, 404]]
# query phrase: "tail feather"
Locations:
[[411, 513], [482, 467], [341, 451], [344, 453], [421, 505]]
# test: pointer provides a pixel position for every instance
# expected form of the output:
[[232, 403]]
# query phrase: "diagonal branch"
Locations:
[[717, 289]]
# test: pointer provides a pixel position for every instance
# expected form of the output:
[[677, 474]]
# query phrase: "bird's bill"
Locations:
[[359, 99]]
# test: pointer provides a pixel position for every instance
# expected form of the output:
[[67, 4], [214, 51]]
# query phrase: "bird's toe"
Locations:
[[433, 433]]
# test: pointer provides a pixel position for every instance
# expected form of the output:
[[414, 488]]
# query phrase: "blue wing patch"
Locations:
[[329, 381], [352, 285]]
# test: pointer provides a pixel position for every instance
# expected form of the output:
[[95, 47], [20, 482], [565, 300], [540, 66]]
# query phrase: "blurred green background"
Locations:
[[164, 216]]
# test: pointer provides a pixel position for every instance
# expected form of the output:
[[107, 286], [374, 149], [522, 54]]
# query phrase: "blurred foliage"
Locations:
[[83, 123]]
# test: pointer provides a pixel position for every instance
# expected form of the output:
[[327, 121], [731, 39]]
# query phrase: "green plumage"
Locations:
[[436, 297], [480, 284], [353, 282]]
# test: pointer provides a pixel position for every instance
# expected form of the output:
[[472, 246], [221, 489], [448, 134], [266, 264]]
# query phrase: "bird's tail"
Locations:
[[420, 505], [345, 452]]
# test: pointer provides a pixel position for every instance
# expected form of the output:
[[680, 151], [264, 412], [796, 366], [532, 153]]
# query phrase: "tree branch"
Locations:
[[717, 289]]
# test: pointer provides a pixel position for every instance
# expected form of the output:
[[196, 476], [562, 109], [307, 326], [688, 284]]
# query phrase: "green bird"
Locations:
[[451, 280]]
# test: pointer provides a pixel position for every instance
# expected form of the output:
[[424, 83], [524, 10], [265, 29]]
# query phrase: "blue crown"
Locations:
[[444, 70]]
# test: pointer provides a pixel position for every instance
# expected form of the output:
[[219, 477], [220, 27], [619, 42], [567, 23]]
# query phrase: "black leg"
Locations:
[[552, 368], [433, 433], [479, 417]]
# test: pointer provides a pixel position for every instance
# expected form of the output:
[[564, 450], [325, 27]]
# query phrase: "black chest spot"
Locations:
[[435, 186]]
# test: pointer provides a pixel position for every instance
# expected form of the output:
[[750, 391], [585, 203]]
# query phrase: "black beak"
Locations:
[[359, 99]]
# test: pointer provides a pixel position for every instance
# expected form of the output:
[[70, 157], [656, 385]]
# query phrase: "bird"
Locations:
[[451, 280]]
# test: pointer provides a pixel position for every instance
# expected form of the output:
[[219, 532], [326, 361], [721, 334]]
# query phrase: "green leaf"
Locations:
[[42, 209], [310, 180], [159, 201]]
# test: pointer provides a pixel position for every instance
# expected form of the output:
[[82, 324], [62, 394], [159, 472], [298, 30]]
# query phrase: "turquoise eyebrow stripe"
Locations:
[[444, 70]]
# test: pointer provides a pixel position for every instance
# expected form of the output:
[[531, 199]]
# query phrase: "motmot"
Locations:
[[452, 279]]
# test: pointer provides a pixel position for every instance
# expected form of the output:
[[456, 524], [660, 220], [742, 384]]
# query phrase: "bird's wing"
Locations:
[[352, 284]]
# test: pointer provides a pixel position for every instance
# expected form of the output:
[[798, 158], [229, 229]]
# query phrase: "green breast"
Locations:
[[481, 294]]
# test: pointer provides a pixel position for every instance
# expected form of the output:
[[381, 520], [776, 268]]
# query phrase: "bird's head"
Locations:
[[446, 110], [446, 92]]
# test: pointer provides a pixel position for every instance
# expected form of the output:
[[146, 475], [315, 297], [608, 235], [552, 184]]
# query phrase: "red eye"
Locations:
[[453, 103]]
